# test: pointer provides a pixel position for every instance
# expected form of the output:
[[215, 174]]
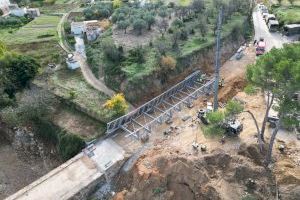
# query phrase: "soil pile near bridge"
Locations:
[[171, 175]]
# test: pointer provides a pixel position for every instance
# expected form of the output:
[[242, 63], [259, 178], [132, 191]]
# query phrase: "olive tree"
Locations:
[[139, 25]]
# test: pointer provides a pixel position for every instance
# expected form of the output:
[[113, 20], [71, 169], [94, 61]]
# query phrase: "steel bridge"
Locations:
[[161, 108]]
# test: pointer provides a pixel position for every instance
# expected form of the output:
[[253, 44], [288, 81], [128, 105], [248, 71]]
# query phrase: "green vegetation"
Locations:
[[32, 32], [218, 118], [287, 15], [250, 90], [278, 74], [88, 100], [13, 22], [37, 38], [184, 32], [16, 72]]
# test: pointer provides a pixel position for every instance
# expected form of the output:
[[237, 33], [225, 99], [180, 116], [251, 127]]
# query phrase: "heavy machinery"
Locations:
[[260, 47], [232, 127]]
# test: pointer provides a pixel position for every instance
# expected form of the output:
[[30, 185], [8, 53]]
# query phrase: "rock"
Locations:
[[169, 121], [144, 137], [298, 136], [185, 118], [203, 147], [281, 148]]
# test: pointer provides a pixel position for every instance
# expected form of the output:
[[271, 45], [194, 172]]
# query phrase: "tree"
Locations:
[[1, 12], [203, 26], [233, 108], [282, 68], [279, 2], [16, 72], [124, 24], [117, 103], [139, 25], [291, 2], [163, 13], [117, 3], [150, 19], [198, 5], [162, 27]]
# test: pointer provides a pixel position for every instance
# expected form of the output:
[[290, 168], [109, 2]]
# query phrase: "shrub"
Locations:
[[250, 90], [215, 118], [137, 55], [69, 145], [233, 108], [168, 62], [117, 104], [177, 23]]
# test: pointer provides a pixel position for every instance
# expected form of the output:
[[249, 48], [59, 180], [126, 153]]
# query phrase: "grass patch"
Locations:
[[250, 90], [212, 131], [137, 71], [32, 32], [196, 42], [71, 86], [287, 15]]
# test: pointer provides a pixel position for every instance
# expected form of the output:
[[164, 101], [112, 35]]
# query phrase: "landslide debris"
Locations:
[[168, 174]]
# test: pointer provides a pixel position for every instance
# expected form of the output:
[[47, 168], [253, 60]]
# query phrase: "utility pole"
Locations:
[[218, 59]]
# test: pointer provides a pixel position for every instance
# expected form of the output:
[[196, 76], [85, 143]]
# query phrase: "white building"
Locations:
[[77, 28], [16, 11], [33, 12], [4, 6], [91, 29]]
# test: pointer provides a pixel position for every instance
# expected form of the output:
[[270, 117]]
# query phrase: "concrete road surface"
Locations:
[[275, 39]]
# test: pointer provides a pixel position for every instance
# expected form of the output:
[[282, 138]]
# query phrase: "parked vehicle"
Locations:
[[270, 17], [273, 25], [260, 47], [265, 15], [291, 29]]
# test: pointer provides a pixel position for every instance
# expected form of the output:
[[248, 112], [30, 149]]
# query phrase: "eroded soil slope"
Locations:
[[172, 175]]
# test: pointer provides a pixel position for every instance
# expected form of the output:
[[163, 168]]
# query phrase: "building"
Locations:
[[92, 29], [77, 28], [16, 11], [71, 62], [4, 6], [33, 12]]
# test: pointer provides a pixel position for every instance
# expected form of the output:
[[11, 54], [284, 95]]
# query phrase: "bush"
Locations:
[[117, 104], [137, 55], [69, 145], [233, 108], [215, 118], [250, 90], [168, 63], [177, 23]]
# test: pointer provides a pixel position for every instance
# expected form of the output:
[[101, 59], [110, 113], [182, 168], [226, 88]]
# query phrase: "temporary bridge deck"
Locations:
[[161, 108]]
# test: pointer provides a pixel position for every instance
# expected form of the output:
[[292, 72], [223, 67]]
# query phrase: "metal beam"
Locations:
[[147, 129], [168, 103], [184, 92]]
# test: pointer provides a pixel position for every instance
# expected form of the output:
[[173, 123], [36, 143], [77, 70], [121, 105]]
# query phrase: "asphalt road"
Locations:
[[275, 39]]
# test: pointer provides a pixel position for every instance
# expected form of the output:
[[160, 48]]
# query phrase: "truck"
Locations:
[[260, 47], [273, 25]]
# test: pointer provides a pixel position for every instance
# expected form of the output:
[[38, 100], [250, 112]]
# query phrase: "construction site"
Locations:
[[164, 148]]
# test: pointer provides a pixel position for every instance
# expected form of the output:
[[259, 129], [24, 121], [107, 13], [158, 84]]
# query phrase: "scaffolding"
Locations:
[[160, 109]]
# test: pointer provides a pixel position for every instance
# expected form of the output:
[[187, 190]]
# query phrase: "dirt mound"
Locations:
[[171, 175]]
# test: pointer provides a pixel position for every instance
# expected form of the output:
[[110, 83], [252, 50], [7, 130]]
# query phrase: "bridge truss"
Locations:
[[161, 108]]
